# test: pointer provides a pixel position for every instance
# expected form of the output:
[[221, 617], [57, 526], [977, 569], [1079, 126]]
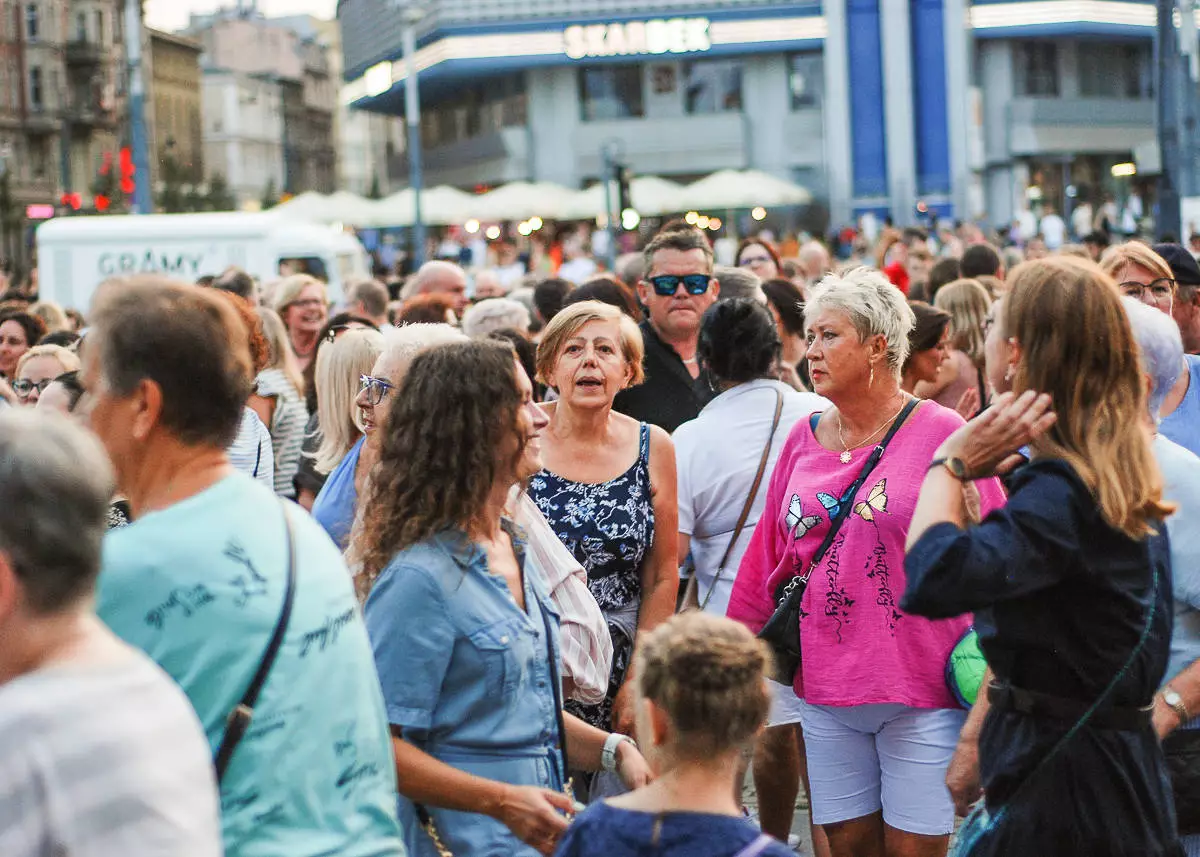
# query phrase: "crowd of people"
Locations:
[[479, 566]]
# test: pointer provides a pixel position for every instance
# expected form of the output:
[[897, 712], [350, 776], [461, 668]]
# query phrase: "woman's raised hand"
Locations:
[[987, 445]]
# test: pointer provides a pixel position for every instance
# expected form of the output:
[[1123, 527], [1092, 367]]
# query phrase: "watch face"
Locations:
[[957, 467], [1170, 697]]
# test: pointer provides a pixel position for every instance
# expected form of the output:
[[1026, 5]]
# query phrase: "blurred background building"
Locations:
[[959, 108]]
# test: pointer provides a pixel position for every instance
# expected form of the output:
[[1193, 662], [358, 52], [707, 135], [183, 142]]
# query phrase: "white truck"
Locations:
[[76, 254]]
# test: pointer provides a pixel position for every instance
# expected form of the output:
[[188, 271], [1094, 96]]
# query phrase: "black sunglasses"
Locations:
[[666, 285]]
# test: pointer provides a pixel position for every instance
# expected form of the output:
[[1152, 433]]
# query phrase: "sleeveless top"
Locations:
[[607, 526], [287, 427]]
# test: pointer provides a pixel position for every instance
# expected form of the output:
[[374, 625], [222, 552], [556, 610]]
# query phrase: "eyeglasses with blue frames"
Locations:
[[666, 285], [376, 388]]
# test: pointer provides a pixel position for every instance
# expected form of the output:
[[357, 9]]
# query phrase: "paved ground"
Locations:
[[799, 821]]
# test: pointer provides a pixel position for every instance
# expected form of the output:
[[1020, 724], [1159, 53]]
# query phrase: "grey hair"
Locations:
[[872, 304], [494, 314], [1158, 337], [372, 294], [739, 283], [402, 344], [55, 486]]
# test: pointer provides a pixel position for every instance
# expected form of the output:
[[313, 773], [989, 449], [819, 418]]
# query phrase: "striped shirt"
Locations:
[[586, 646], [287, 427], [251, 452], [101, 760]]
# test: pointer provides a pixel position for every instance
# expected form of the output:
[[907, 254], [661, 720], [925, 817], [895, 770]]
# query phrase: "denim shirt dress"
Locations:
[[466, 675]]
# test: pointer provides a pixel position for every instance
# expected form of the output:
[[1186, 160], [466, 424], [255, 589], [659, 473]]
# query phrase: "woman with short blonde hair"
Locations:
[[38, 367], [303, 305], [619, 470], [1077, 555]]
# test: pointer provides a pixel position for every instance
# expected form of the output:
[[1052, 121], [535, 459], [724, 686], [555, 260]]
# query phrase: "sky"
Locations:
[[173, 14]]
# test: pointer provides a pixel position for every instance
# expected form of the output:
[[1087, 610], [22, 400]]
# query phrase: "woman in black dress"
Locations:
[[1070, 582]]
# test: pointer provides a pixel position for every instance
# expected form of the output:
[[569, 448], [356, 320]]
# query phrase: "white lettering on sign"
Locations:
[[659, 36], [149, 262]]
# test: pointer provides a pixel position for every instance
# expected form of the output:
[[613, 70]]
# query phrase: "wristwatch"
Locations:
[[956, 466], [608, 756], [1175, 702]]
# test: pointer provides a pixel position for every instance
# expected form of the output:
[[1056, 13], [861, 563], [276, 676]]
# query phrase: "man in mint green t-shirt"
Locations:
[[198, 582]]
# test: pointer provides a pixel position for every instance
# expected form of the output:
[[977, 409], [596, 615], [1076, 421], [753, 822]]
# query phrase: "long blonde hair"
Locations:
[[968, 302], [339, 366], [282, 357], [1076, 345]]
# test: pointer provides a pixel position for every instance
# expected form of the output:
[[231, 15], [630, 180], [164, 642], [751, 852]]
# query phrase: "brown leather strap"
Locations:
[[762, 468]]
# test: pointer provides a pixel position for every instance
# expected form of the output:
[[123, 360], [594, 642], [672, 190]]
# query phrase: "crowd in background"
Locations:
[[507, 485]]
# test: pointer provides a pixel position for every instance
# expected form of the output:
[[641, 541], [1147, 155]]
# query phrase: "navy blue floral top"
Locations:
[[608, 527]]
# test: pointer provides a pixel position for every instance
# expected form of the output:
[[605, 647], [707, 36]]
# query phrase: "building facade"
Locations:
[[174, 114], [276, 72], [966, 109]]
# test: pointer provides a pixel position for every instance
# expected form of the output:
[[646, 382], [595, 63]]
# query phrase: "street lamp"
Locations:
[[411, 15]]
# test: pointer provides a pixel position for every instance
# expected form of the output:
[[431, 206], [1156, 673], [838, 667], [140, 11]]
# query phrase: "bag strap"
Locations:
[[762, 468], [787, 587], [1151, 610], [239, 719], [556, 687]]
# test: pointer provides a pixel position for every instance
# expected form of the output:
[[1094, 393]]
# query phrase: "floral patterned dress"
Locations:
[[608, 527]]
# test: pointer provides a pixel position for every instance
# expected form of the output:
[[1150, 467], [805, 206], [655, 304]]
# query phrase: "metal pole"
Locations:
[[139, 143], [1166, 55], [610, 203], [412, 115]]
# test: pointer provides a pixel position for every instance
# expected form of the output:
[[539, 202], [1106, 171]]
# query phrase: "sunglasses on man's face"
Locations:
[[666, 285]]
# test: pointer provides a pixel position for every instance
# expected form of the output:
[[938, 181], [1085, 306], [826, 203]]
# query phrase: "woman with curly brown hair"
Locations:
[[465, 641]]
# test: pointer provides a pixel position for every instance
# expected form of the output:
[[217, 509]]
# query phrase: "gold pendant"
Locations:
[[845, 456]]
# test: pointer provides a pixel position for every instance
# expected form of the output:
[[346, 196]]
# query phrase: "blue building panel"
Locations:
[[930, 118], [867, 127]]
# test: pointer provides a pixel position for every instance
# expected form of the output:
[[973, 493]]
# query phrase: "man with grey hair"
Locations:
[[1177, 705], [100, 752], [438, 276], [814, 260], [368, 299], [495, 314], [739, 283]]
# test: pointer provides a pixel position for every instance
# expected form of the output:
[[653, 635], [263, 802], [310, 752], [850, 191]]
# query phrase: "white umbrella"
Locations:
[[340, 207], [306, 206], [650, 195], [523, 200], [440, 206], [730, 189]]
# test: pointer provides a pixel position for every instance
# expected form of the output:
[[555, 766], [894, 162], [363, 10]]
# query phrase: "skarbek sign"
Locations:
[[658, 36]]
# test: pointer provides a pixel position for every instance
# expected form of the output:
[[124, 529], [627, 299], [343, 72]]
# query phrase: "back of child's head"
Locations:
[[707, 674]]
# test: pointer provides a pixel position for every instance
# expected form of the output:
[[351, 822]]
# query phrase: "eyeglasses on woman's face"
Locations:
[[24, 387], [1160, 290], [375, 388]]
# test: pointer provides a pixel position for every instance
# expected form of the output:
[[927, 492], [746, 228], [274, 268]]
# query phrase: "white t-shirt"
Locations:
[[104, 760], [1054, 230], [717, 455]]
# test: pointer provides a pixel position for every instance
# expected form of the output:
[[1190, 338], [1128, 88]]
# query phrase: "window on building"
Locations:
[[81, 34], [712, 86], [1037, 69], [1114, 70], [611, 92], [99, 28], [806, 80], [35, 88], [32, 21]]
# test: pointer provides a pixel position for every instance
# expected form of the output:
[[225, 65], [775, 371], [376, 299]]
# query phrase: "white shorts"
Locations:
[[786, 707], [867, 758]]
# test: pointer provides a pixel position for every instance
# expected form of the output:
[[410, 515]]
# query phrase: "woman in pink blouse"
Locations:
[[879, 723]]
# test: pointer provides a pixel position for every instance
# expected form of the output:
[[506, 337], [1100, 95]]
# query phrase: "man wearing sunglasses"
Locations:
[[678, 287]]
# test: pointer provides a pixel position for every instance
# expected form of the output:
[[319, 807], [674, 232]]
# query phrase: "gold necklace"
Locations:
[[845, 455]]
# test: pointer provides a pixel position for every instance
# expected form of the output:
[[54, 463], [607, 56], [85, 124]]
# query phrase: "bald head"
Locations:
[[441, 277], [815, 260]]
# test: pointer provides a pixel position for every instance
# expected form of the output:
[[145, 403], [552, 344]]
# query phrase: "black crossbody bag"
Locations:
[[782, 631], [239, 719]]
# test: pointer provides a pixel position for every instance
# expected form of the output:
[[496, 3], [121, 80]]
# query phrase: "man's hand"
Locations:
[[962, 777]]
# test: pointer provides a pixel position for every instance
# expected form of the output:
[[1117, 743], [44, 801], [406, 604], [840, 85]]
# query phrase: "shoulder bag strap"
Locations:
[[762, 468], [239, 719], [844, 504], [556, 687]]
